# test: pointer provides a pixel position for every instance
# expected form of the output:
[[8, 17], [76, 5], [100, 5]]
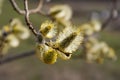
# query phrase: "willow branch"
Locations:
[[38, 8], [16, 8], [113, 14], [32, 11], [16, 57], [106, 22], [27, 13]]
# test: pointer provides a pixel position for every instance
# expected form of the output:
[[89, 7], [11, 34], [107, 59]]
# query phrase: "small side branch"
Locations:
[[27, 13], [113, 14], [16, 8], [32, 11], [38, 9]]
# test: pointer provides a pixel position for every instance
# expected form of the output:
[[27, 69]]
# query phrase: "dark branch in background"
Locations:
[[16, 57], [37, 10], [113, 14]]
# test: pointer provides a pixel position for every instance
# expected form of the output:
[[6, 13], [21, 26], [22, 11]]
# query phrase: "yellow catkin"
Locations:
[[48, 29], [50, 56], [47, 54]]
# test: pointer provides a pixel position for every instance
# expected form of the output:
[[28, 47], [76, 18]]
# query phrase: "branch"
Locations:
[[27, 13], [16, 8], [106, 22], [113, 14], [16, 56], [37, 10]]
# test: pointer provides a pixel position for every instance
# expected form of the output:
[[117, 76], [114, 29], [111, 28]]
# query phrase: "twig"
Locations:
[[38, 8], [32, 11], [16, 57], [16, 8], [113, 14], [106, 22], [27, 13]]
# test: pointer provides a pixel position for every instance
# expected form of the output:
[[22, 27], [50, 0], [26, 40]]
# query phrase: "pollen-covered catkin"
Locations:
[[47, 54], [48, 29], [69, 40]]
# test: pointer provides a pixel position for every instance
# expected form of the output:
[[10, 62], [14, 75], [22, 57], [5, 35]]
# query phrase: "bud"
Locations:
[[87, 29], [21, 32], [46, 54], [69, 40], [111, 54], [96, 25], [48, 29], [19, 29], [12, 40], [6, 29], [4, 49], [61, 12]]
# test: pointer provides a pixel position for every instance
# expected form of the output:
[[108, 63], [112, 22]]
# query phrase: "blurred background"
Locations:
[[31, 68]]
